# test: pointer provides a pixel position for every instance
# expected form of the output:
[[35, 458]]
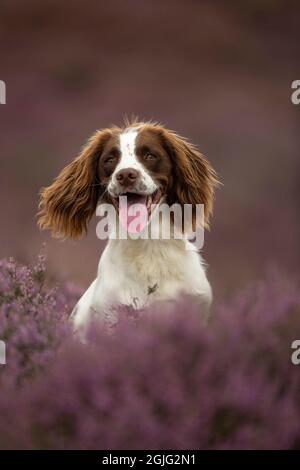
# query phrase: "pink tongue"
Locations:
[[133, 212]]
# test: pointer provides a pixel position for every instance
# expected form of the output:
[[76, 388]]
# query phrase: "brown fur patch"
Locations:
[[187, 176], [69, 203]]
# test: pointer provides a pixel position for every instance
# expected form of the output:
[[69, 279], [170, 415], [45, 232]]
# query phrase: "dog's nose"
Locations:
[[127, 176]]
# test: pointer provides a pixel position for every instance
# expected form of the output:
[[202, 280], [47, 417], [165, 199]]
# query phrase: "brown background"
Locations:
[[219, 73]]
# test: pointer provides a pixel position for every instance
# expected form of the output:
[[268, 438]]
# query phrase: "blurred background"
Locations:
[[219, 73]]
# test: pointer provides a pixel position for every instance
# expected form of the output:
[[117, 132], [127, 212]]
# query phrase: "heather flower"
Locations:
[[33, 318], [160, 381]]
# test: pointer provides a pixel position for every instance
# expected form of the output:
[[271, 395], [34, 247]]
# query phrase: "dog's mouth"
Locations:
[[135, 209], [131, 198]]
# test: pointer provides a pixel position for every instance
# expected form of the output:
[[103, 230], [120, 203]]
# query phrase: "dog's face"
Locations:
[[134, 163], [143, 161]]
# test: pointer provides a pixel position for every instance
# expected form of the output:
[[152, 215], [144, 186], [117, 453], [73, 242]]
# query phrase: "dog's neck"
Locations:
[[140, 244]]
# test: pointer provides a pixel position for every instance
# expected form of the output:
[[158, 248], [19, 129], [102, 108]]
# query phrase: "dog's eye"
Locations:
[[150, 156], [110, 159]]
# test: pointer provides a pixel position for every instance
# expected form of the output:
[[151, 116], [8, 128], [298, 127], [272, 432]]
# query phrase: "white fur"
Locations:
[[128, 268]]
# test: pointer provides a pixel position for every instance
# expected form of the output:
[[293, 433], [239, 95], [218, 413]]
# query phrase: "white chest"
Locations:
[[139, 272]]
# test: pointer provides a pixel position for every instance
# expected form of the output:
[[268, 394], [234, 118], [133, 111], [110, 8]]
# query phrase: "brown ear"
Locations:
[[195, 179], [69, 203]]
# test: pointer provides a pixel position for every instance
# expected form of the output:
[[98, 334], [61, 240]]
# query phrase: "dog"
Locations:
[[151, 166]]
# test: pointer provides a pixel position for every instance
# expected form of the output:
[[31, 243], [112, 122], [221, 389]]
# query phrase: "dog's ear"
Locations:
[[194, 177], [69, 203]]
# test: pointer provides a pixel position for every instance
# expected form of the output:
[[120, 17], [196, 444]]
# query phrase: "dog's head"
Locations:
[[143, 161]]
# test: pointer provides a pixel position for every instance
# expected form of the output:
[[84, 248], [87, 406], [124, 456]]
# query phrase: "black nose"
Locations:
[[127, 176]]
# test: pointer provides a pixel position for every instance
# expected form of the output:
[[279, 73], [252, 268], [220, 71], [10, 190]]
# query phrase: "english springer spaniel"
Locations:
[[150, 165]]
